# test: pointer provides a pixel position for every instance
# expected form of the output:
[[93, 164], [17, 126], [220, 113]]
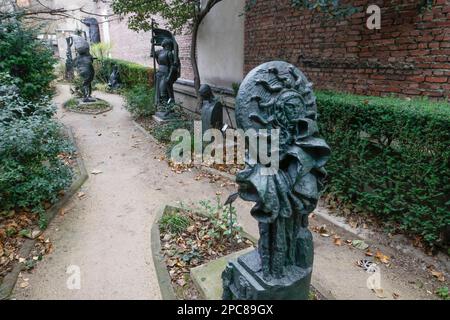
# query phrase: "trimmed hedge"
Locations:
[[131, 74], [390, 158]]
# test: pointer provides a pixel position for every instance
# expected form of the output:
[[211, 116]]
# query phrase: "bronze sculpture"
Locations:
[[94, 30], [212, 109], [69, 59], [168, 70], [276, 95], [114, 78], [85, 67]]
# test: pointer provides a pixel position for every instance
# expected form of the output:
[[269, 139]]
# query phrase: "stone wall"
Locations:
[[135, 46], [409, 55], [220, 45]]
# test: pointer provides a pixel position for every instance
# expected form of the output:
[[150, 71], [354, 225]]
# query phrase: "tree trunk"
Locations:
[[199, 16], [197, 80]]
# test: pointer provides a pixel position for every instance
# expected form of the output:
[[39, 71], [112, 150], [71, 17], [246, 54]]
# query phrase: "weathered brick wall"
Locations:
[[129, 45], [136, 46], [184, 44], [409, 56]]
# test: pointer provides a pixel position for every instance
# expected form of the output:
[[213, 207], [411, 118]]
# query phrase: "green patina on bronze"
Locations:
[[276, 95]]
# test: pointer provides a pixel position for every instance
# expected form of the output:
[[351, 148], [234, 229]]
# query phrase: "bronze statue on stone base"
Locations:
[[277, 96], [168, 70], [85, 68]]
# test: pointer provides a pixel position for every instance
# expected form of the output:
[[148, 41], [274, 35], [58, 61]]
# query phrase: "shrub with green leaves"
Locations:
[[391, 158], [31, 142], [140, 101], [25, 57]]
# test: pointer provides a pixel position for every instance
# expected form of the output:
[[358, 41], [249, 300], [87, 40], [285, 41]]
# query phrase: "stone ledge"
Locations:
[[208, 277]]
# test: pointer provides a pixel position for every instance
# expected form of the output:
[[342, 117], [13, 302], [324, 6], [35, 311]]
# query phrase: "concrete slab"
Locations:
[[158, 119], [208, 277]]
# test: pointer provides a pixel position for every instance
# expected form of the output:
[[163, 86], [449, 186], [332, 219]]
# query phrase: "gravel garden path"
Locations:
[[105, 230]]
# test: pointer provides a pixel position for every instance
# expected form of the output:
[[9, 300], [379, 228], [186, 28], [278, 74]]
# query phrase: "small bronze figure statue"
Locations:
[[69, 59], [114, 78], [85, 67], [277, 96], [212, 109]]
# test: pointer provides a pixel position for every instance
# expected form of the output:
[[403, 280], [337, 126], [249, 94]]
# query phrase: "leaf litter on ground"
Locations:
[[197, 245]]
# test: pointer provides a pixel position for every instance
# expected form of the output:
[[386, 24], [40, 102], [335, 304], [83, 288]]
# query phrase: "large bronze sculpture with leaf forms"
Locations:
[[276, 95]]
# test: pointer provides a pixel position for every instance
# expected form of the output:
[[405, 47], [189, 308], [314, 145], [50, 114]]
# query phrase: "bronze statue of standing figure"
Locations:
[[85, 67], [168, 69]]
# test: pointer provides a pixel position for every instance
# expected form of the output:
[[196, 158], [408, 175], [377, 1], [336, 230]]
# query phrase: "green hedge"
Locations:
[[140, 101], [131, 74], [390, 158]]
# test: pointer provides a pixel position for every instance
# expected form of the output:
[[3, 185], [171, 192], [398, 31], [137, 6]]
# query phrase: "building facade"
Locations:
[[408, 56]]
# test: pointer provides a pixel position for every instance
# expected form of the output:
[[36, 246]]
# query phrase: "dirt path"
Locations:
[[106, 233]]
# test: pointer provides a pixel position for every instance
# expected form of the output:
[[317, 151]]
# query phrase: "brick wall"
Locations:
[[184, 44], [129, 45], [136, 46], [409, 56]]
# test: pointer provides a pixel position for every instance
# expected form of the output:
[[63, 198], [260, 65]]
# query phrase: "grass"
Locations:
[[174, 222], [97, 106]]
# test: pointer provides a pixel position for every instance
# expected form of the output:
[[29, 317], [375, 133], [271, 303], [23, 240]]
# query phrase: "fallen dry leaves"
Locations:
[[322, 230], [380, 293], [438, 275], [15, 227], [195, 246], [381, 257], [337, 240]]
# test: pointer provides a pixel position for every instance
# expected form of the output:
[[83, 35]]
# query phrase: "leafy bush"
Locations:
[[223, 219], [31, 143], [140, 101], [131, 74], [178, 120], [390, 158], [101, 50], [26, 58], [443, 293]]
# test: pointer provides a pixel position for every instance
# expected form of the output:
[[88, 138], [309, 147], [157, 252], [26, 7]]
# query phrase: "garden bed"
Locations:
[[189, 239], [95, 108], [22, 244]]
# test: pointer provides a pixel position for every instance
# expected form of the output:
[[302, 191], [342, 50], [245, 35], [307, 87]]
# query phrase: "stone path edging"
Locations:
[[165, 283]]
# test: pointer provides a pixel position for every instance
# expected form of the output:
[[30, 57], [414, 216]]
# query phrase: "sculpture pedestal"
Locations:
[[243, 280], [163, 116], [89, 101]]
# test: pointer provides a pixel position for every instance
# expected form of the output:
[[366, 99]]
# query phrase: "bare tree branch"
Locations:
[[44, 12]]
